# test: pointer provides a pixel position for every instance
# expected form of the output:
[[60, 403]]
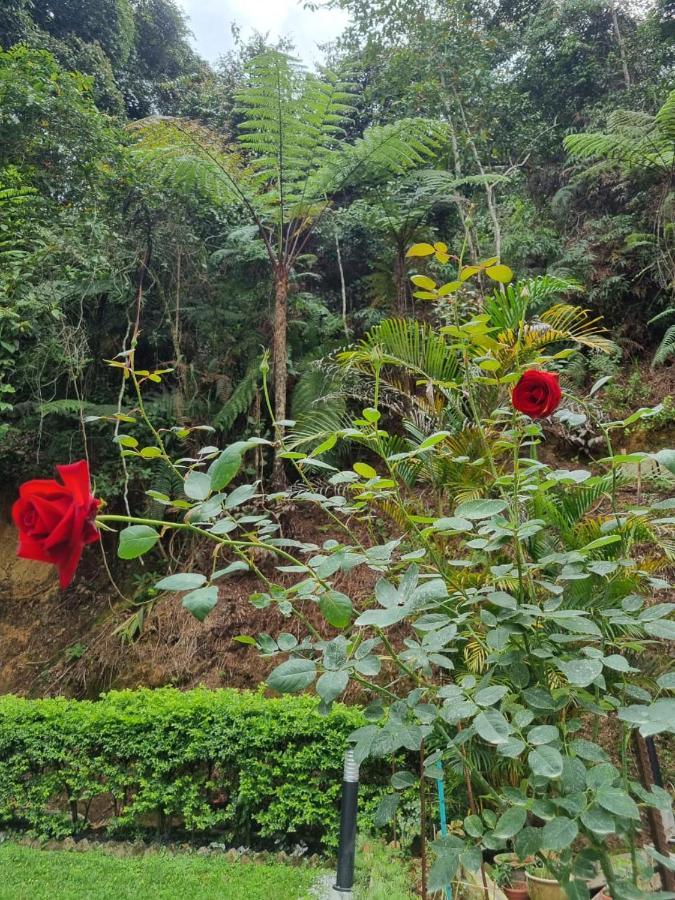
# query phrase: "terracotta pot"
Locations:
[[544, 888], [517, 891], [602, 895]]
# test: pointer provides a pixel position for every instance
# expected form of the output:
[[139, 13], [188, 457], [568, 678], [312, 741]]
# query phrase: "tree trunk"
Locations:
[[401, 282], [621, 45], [280, 362]]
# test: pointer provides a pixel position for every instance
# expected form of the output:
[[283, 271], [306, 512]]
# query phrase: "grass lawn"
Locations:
[[28, 874]]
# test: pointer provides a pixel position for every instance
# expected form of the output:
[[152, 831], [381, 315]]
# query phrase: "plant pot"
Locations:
[[602, 895], [517, 891], [544, 888]]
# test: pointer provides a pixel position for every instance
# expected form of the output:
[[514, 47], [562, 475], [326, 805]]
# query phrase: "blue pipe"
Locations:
[[440, 785]]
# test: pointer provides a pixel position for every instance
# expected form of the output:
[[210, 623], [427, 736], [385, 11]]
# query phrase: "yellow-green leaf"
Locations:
[[468, 272], [442, 258], [420, 250], [425, 295], [440, 247], [489, 365], [364, 470], [500, 273], [449, 288], [424, 281]]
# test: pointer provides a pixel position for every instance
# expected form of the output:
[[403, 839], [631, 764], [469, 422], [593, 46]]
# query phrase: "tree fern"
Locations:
[[633, 140], [290, 159]]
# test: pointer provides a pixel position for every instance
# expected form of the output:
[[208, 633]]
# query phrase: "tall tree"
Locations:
[[289, 162]]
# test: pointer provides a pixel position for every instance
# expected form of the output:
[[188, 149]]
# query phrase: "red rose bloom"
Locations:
[[55, 520], [537, 394]]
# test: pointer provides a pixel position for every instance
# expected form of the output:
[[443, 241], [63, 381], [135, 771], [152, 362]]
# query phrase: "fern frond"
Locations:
[[240, 400], [633, 140], [666, 348]]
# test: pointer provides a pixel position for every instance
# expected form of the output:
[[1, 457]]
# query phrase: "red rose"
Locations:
[[537, 394], [55, 520]]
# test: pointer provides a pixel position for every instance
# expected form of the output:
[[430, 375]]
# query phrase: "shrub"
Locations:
[[202, 761]]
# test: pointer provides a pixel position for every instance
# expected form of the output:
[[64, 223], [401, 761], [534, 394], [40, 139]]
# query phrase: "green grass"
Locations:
[[381, 873], [28, 874]]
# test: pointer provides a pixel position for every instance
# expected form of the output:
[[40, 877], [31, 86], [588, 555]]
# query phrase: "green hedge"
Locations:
[[206, 762]]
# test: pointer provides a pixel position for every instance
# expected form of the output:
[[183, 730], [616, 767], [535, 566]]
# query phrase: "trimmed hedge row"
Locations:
[[206, 762]]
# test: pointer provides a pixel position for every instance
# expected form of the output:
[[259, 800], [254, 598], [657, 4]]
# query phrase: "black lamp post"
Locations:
[[348, 810]]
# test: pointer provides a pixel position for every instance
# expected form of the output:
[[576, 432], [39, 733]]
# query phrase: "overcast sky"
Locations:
[[211, 20]]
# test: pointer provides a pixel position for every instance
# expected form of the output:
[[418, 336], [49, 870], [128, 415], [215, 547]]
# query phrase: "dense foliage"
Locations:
[[514, 605], [98, 237], [205, 762]]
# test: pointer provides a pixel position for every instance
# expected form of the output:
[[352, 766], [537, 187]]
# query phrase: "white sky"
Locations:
[[210, 21]]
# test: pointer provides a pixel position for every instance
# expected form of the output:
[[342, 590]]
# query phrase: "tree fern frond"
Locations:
[[240, 400], [633, 140], [383, 151], [666, 348], [184, 153]]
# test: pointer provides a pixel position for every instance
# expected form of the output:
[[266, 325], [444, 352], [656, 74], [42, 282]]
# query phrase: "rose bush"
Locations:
[[55, 520]]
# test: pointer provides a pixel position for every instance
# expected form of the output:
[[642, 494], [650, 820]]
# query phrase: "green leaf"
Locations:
[[292, 676], [433, 439], [401, 780], [616, 801], [386, 809], [331, 685], [444, 869], [559, 833], [197, 485], [240, 495], [666, 458], [238, 565], [581, 672], [136, 540], [543, 734], [588, 750], [336, 609], [492, 726], [480, 509], [598, 821], [546, 762], [601, 542], [473, 826], [662, 628], [223, 469], [528, 842], [510, 822], [201, 602], [490, 695], [182, 581]]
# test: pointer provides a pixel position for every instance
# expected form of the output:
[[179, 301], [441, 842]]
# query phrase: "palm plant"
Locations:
[[289, 161], [638, 143]]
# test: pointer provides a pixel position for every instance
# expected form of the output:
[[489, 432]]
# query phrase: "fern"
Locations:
[[666, 347], [632, 141], [240, 400]]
